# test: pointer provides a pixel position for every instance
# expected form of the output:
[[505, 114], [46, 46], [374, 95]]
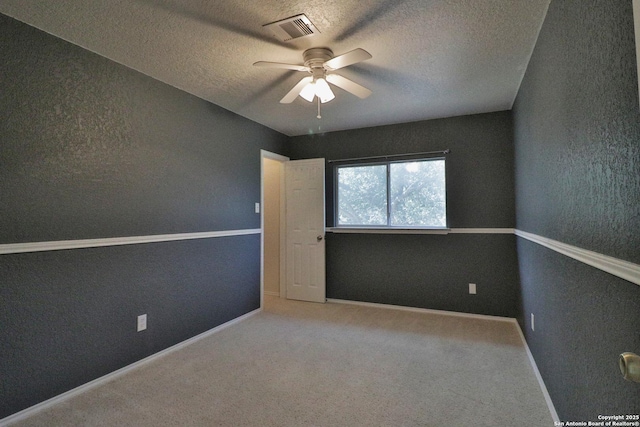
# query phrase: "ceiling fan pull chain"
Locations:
[[319, 116]]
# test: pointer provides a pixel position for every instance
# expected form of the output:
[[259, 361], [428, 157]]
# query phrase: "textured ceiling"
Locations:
[[431, 58]]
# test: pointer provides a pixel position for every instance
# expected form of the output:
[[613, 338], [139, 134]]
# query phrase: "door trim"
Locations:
[[282, 159]]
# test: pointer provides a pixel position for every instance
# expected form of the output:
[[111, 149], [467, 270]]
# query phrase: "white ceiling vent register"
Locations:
[[292, 28]]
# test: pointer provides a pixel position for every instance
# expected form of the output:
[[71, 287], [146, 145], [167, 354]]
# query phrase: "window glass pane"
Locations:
[[362, 195], [418, 194]]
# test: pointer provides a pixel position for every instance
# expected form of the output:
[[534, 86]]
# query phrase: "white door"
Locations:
[[305, 256]]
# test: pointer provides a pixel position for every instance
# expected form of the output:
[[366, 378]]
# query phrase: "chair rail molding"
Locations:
[[16, 248], [623, 269]]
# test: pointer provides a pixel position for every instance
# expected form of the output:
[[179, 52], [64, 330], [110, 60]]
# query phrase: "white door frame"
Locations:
[[282, 159]]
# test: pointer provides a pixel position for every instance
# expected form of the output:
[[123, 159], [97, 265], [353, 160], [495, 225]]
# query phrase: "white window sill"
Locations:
[[387, 230]]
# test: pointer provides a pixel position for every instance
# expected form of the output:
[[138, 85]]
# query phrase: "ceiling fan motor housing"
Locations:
[[316, 57]]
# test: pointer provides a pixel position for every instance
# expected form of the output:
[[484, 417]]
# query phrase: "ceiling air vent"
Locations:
[[292, 28]]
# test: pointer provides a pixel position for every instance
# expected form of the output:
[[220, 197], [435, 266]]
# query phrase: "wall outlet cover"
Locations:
[[472, 288], [142, 322]]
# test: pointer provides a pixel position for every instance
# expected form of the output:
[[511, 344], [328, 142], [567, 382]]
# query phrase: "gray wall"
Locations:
[[431, 271], [92, 149], [577, 133]]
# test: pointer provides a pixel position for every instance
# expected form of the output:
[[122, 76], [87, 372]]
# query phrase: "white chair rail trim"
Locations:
[[620, 268], [16, 248], [623, 269]]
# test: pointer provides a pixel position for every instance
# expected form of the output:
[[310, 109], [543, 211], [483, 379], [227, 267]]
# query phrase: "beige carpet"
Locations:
[[306, 364]]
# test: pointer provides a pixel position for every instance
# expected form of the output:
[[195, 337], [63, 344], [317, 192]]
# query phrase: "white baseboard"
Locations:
[[422, 310], [113, 375], [543, 387], [25, 413]]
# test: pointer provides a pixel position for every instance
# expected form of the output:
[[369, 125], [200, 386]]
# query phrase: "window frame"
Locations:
[[388, 227]]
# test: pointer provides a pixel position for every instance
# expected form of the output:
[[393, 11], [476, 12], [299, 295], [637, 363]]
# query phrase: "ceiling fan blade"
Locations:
[[294, 67], [348, 85], [349, 58], [289, 97]]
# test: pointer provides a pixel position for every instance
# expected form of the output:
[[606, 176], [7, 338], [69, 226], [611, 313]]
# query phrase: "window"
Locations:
[[392, 194]]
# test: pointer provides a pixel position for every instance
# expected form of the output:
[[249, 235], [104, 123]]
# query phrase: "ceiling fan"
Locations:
[[321, 64]]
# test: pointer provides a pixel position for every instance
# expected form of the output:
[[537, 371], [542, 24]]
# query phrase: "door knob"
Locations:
[[630, 366], [319, 238]]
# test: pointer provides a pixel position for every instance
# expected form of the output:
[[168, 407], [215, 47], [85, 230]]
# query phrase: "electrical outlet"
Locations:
[[472, 288], [257, 207], [142, 322], [533, 322]]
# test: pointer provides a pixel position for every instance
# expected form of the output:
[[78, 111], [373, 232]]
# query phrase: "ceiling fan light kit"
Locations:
[[321, 64], [318, 87]]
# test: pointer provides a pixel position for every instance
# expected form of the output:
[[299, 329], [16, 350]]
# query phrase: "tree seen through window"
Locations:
[[396, 194]]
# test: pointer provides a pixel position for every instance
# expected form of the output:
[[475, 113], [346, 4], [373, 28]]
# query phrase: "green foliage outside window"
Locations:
[[396, 194]]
